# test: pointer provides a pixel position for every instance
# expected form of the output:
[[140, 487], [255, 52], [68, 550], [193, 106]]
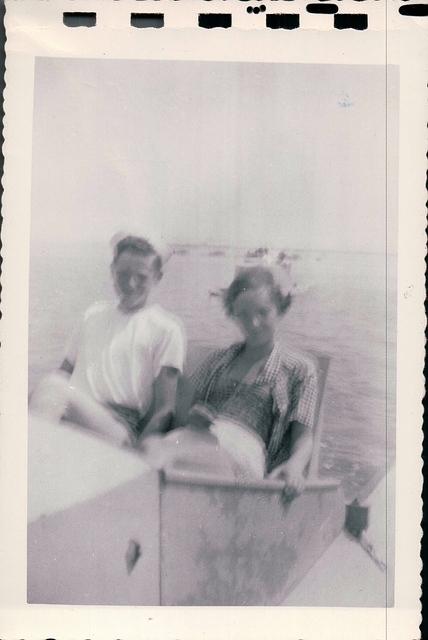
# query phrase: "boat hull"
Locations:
[[172, 538], [225, 544]]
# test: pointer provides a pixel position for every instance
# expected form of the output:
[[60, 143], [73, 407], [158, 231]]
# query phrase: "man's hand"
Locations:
[[159, 423], [165, 391], [292, 474]]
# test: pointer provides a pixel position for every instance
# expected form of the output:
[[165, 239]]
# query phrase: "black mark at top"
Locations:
[[282, 20], [79, 19], [321, 8], [215, 20], [357, 21], [420, 10], [256, 10], [147, 20]]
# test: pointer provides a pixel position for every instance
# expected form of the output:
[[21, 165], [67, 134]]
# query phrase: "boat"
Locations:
[[217, 293], [257, 253], [105, 529]]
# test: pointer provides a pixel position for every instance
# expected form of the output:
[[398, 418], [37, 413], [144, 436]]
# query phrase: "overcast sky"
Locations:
[[227, 153]]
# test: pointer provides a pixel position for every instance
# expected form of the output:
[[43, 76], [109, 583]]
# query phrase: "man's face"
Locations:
[[134, 277]]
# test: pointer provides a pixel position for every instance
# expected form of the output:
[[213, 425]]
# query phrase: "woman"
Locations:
[[253, 402]]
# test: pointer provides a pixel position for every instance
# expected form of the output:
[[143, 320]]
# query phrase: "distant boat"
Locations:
[[279, 262], [295, 290], [271, 257], [217, 292], [216, 252], [257, 253]]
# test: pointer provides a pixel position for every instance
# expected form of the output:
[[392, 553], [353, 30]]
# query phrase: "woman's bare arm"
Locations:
[[300, 445], [293, 470]]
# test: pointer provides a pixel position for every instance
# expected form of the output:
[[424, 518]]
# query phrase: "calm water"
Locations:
[[340, 310]]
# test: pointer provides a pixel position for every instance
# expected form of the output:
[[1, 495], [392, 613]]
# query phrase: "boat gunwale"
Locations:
[[267, 484]]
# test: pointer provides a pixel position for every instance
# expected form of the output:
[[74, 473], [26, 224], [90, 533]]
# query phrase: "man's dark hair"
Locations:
[[138, 245]]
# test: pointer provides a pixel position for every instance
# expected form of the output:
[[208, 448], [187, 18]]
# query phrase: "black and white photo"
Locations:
[[217, 299]]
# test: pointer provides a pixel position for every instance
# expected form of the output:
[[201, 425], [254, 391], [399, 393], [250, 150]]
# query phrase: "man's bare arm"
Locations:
[[165, 395]]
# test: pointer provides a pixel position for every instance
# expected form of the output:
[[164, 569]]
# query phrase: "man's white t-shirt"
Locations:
[[117, 356]]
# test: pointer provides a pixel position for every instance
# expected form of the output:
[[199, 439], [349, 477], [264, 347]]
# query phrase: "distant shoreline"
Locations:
[[177, 246]]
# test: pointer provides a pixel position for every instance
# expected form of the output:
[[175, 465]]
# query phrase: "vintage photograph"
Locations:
[[212, 333]]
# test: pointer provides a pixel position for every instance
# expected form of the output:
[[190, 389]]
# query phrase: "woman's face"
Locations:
[[257, 316]]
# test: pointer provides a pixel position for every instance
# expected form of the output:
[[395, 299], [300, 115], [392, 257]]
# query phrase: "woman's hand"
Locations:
[[293, 476], [293, 470]]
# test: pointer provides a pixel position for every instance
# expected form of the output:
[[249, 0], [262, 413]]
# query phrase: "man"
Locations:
[[120, 371]]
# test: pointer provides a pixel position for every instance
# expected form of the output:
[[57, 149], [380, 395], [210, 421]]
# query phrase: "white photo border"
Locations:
[[36, 29]]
